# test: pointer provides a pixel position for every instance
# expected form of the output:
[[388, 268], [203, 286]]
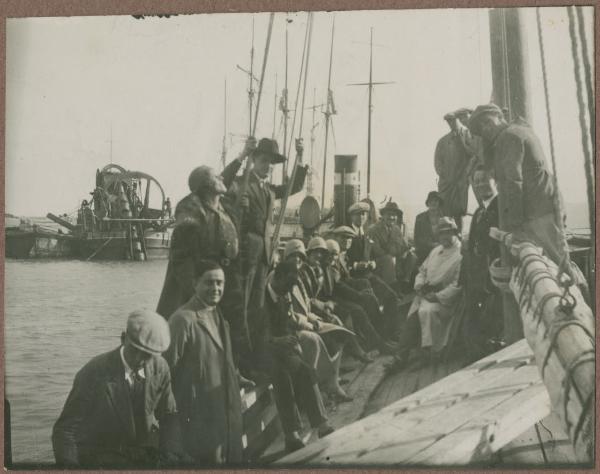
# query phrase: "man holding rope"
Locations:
[[256, 227]]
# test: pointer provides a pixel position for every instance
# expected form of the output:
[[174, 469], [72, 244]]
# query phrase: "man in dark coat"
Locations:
[[452, 161], [424, 234], [394, 258], [205, 382], [529, 202], [482, 327], [204, 229], [294, 381], [256, 227], [119, 403], [361, 264]]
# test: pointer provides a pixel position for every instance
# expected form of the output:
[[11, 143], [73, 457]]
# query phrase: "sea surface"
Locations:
[[58, 315]]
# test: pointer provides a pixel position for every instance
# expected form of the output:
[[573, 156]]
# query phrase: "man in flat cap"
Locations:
[[120, 403], [256, 228], [452, 162], [205, 382], [362, 264], [529, 200]]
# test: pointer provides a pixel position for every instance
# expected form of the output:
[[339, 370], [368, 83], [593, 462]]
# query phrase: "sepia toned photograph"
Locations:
[[311, 239]]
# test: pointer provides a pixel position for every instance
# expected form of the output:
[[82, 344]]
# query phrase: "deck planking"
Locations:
[[460, 419]]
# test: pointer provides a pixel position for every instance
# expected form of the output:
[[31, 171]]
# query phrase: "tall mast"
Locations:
[[329, 110], [370, 114], [370, 84], [274, 110], [251, 89], [309, 184], [284, 104], [224, 148]]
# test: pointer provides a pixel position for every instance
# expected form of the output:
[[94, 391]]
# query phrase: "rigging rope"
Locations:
[[507, 98], [566, 303], [289, 150], [588, 72], [585, 142]]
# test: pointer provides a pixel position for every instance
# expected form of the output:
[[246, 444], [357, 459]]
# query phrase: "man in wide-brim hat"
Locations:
[[393, 256], [254, 205]]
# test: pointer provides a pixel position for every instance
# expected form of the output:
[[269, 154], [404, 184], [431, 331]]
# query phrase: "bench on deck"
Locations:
[[463, 418], [261, 421]]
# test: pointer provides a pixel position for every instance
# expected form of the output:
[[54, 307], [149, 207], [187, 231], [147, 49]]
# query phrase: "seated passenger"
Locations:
[[433, 310], [424, 236], [393, 256], [294, 381], [361, 264]]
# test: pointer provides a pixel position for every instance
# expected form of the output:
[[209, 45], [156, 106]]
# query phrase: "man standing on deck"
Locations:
[[452, 161], [121, 401], [425, 224], [530, 204], [205, 382], [482, 328], [256, 228]]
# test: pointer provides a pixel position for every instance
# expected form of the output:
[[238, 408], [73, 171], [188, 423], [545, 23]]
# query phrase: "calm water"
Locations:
[[58, 315]]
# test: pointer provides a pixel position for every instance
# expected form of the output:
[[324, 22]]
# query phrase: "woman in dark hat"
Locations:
[[425, 223]]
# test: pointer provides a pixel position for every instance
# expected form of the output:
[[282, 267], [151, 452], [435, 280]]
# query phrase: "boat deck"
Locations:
[[466, 417]]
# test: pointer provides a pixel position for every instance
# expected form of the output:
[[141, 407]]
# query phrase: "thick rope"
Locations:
[[588, 72]]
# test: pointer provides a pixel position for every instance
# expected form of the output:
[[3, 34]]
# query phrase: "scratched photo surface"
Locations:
[[107, 116]]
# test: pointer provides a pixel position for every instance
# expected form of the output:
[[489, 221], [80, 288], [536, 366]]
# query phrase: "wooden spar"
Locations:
[[329, 111], [290, 184], [60, 221], [510, 91], [561, 339], [251, 89], [224, 147], [370, 84], [285, 108]]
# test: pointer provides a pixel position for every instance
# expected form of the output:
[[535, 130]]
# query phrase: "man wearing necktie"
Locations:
[[120, 402]]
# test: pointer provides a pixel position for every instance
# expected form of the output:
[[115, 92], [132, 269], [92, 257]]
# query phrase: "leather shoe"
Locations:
[[325, 429], [293, 443]]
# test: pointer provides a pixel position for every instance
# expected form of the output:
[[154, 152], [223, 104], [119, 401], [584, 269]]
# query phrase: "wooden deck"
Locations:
[[463, 418]]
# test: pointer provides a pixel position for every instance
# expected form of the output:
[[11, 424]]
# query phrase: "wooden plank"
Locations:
[[413, 423]]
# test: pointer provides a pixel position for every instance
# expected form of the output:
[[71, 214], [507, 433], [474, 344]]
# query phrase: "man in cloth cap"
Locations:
[[120, 402], [452, 162], [529, 202], [205, 382], [433, 310], [256, 202], [393, 256], [425, 238]]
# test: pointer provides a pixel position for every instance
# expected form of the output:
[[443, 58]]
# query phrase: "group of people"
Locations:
[[229, 317]]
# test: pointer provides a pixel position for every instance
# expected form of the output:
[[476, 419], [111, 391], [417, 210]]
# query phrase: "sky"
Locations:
[[83, 92]]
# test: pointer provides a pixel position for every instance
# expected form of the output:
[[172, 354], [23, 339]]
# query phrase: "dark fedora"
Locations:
[[434, 195], [269, 147], [391, 206]]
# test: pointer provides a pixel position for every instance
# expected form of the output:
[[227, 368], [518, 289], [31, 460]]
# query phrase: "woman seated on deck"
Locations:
[[433, 309], [322, 338]]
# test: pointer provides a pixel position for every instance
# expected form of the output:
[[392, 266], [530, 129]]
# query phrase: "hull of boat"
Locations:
[[34, 244], [116, 245]]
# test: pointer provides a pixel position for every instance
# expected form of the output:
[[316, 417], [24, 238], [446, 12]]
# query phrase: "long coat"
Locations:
[[97, 418], [205, 385], [200, 233], [525, 185], [259, 222], [389, 246], [451, 162]]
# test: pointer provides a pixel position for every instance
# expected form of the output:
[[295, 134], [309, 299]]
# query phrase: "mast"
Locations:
[[284, 104], [274, 110], [309, 184], [224, 147], [370, 114], [329, 111], [251, 89], [370, 84]]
